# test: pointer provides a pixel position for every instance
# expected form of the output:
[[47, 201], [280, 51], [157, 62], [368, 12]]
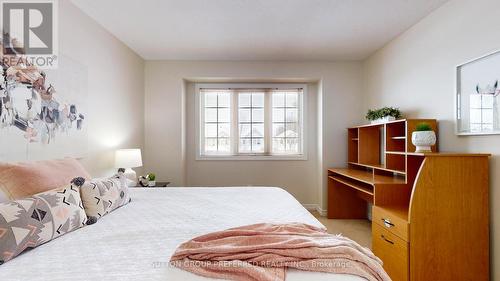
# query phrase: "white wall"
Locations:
[[416, 72], [170, 126], [115, 117]]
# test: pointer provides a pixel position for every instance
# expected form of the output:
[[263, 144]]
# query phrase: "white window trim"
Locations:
[[199, 119]]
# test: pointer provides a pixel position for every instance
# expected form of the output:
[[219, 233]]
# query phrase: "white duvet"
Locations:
[[136, 241]]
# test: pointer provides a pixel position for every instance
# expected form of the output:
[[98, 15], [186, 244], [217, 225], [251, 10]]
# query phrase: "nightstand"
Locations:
[[159, 184]]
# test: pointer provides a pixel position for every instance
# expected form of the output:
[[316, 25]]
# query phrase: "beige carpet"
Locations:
[[357, 230]]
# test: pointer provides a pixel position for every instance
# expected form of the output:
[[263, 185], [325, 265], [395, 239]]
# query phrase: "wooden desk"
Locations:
[[351, 189], [430, 216]]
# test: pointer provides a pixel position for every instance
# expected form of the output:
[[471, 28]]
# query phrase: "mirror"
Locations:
[[478, 96]]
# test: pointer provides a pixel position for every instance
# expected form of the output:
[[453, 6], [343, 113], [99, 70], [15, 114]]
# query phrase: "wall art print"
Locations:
[[42, 112]]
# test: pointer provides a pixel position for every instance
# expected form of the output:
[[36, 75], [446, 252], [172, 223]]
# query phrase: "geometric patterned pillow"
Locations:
[[102, 196], [29, 222]]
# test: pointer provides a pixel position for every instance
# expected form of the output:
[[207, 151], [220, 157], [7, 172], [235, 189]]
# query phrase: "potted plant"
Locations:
[[151, 179], [423, 138], [383, 115]]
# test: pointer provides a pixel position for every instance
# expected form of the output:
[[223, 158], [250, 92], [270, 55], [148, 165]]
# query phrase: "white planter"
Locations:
[[423, 140], [152, 183], [383, 120]]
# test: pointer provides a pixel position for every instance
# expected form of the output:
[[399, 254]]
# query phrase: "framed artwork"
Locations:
[[478, 96], [43, 112]]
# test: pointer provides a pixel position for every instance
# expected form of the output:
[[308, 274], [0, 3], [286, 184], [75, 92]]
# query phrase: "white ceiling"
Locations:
[[256, 29]]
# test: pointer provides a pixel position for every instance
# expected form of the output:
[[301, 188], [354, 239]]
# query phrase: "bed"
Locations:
[[136, 241]]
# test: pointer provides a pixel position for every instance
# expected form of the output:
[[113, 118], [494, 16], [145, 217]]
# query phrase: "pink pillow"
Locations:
[[19, 180]]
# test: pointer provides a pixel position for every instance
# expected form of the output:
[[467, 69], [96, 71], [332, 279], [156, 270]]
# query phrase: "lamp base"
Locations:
[[130, 175]]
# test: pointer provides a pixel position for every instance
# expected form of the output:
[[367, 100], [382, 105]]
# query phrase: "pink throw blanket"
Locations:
[[262, 252]]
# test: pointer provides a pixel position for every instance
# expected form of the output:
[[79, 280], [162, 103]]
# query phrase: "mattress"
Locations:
[[135, 242]]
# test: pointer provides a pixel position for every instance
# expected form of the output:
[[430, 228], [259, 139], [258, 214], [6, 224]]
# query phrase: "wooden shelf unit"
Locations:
[[427, 207], [383, 147]]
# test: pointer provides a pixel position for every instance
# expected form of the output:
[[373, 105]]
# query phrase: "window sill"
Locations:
[[252, 157]]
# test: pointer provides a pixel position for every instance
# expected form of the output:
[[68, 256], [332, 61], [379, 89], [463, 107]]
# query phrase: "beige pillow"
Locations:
[[23, 179], [102, 196], [29, 222]]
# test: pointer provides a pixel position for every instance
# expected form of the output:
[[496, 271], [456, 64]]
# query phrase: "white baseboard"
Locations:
[[310, 207], [315, 207], [321, 212]]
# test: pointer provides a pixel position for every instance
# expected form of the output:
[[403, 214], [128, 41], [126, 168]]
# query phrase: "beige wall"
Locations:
[[115, 87], [170, 152], [416, 73], [299, 177]]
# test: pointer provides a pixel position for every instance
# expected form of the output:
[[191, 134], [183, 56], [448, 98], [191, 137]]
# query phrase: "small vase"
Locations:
[[423, 140], [151, 183]]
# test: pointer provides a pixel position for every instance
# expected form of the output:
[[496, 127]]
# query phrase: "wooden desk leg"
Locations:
[[344, 203]]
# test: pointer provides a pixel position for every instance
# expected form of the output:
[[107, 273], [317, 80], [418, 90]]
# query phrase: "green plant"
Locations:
[[374, 114], [151, 177], [423, 127]]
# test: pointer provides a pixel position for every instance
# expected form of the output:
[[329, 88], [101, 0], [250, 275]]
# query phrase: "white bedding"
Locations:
[[136, 241]]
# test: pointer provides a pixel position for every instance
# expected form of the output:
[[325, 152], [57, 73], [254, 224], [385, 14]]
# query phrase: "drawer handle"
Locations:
[[386, 240], [387, 223]]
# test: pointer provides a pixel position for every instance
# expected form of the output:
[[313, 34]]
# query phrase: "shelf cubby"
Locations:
[[395, 139], [395, 162], [352, 145], [369, 145]]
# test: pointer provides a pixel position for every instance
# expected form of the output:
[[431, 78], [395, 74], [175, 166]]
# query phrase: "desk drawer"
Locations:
[[390, 222], [392, 250]]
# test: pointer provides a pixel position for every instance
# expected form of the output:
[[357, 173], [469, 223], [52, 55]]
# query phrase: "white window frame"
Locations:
[[199, 119]]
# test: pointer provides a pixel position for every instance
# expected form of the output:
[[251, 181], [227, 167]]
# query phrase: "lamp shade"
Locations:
[[128, 158]]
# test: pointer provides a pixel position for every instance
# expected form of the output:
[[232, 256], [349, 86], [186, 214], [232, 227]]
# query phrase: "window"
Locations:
[[250, 122], [286, 125], [217, 109]]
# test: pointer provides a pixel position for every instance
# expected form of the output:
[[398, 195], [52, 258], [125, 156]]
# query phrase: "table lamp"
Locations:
[[126, 159]]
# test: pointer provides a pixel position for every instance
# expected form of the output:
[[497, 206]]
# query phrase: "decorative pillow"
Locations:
[[32, 221], [19, 180], [102, 196], [3, 196]]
